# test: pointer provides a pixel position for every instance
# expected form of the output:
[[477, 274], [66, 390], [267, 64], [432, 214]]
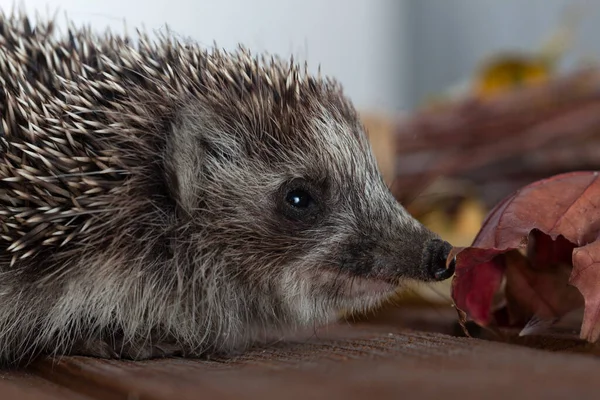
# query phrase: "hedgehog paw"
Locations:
[[94, 348]]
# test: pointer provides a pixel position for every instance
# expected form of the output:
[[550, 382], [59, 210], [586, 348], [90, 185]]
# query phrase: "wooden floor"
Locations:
[[413, 353]]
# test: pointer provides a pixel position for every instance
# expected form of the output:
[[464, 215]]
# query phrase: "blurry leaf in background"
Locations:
[[507, 72], [507, 69]]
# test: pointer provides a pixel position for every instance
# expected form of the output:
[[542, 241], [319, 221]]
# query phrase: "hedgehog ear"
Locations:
[[193, 140], [183, 163]]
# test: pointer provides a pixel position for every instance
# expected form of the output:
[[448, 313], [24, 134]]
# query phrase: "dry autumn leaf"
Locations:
[[543, 241]]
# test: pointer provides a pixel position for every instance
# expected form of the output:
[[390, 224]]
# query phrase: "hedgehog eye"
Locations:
[[299, 198], [298, 202]]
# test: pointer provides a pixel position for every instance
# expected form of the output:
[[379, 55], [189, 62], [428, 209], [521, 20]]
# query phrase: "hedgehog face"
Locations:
[[306, 207], [355, 243]]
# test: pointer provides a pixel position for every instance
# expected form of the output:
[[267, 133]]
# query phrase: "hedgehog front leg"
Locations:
[[134, 351], [94, 348], [145, 351]]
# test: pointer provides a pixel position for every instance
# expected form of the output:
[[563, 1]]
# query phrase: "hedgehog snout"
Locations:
[[434, 260]]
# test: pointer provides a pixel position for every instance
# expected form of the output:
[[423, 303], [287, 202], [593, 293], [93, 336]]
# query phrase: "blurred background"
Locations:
[[465, 101], [390, 55]]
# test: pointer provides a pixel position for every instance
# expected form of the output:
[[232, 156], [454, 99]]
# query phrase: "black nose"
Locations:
[[434, 260]]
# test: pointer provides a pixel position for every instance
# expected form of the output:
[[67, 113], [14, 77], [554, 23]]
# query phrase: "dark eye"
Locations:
[[300, 201], [299, 198]]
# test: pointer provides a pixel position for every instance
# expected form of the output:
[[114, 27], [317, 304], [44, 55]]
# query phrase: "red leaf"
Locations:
[[535, 239], [586, 277], [478, 276], [540, 291]]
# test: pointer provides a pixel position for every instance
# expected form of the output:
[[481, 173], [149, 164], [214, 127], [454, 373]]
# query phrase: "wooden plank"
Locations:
[[26, 386], [346, 362]]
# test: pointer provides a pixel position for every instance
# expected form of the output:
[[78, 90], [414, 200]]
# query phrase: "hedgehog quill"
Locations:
[[160, 199]]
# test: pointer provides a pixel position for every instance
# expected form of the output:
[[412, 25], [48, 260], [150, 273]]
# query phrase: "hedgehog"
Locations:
[[160, 199]]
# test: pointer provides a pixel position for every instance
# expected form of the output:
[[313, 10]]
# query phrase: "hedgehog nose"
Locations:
[[434, 260]]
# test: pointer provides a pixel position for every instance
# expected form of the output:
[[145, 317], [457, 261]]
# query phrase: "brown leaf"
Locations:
[[539, 290], [586, 277], [535, 239]]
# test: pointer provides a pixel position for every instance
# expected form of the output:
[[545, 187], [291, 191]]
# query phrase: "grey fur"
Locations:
[[140, 190]]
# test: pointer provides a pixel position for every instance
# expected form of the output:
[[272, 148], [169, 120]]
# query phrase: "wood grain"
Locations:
[[378, 359], [27, 386]]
